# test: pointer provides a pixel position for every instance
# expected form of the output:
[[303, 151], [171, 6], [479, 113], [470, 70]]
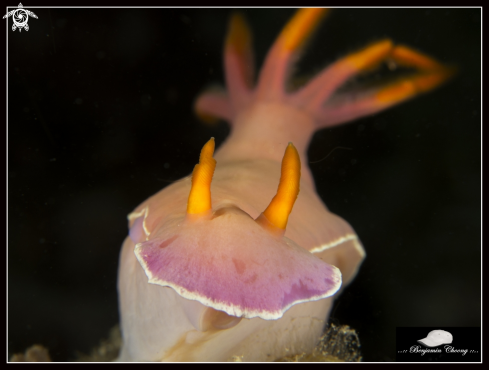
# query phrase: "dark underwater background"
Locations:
[[100, 117]]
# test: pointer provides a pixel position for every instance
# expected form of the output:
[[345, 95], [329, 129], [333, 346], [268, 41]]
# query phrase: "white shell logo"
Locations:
[[20, 16], [436, 337]]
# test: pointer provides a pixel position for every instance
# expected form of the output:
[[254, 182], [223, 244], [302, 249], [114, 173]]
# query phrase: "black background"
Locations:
[[100, 117], [466, 338]]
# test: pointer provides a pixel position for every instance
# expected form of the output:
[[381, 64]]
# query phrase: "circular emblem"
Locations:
[[20, 16]]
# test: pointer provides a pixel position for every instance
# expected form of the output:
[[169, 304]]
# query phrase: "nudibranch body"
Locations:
[[222, 265]]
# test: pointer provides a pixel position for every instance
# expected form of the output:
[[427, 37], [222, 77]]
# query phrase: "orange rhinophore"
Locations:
[[279, 209], [223, 264], [199, 200]]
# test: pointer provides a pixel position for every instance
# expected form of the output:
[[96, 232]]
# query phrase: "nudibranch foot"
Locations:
[[205, 318]]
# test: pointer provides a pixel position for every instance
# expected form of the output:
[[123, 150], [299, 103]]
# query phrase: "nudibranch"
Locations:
[[223, 265]]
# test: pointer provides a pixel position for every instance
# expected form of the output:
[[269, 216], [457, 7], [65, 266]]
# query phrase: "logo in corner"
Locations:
[[436, 338], [20, 16]]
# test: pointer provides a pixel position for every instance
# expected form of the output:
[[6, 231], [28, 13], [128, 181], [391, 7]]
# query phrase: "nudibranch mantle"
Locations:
[[229, 261], [242, 273], [247, 272]]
